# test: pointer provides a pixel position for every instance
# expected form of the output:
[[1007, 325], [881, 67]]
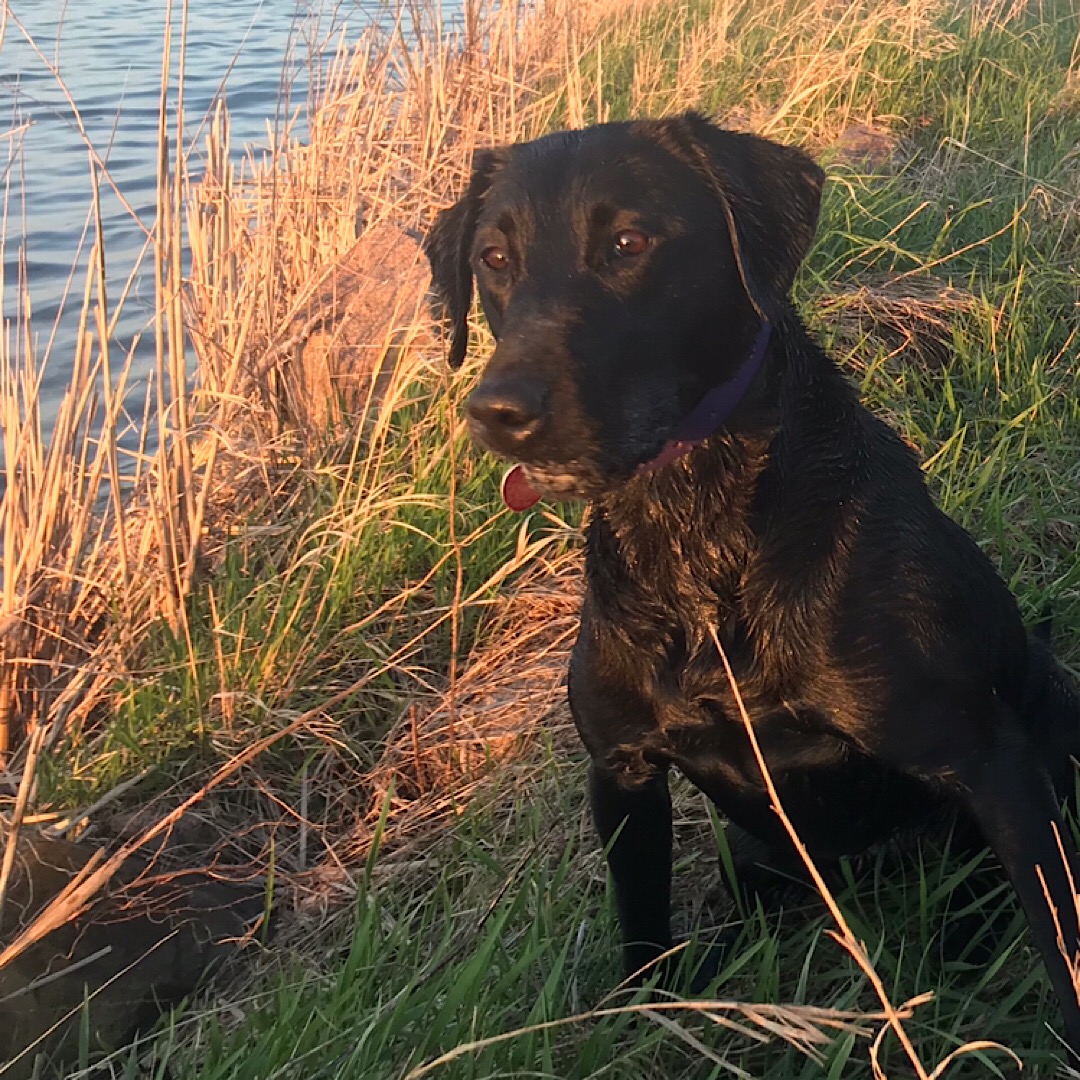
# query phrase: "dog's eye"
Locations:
[[495, 258], [630, 242]]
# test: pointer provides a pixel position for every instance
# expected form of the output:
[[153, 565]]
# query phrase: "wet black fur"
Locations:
[[882, 659]]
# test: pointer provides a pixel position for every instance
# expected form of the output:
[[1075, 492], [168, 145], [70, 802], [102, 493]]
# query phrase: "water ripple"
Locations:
[[109, 56]]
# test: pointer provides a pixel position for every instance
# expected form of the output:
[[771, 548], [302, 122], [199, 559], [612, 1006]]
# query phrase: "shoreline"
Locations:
[[59, 83]]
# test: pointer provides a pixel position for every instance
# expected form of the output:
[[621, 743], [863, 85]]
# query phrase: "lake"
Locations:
[[251, 52]]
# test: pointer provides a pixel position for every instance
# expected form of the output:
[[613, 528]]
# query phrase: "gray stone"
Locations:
[[144, 946]]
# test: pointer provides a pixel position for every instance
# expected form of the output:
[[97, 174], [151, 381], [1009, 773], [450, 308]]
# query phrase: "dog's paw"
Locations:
[[716, 955], [682, 970]]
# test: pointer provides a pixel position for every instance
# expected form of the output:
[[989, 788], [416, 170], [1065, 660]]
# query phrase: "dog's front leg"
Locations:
[[634, 823]]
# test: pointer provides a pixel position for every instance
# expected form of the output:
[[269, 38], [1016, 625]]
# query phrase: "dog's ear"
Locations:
[[770, 193], [447, 247]]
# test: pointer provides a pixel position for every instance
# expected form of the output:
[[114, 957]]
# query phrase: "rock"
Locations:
[[143, 947], [351, 332]]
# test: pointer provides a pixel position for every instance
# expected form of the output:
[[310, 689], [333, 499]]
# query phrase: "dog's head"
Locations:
[[624, 270]]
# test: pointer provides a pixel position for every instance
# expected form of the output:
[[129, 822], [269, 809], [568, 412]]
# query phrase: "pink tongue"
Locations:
[[517, 492]]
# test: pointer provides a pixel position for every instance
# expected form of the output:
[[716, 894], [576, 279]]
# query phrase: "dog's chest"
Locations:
[[839, 800], [667, 607], [703, 721]]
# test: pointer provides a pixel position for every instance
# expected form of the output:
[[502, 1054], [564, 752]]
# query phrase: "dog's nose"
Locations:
[[509, 409]]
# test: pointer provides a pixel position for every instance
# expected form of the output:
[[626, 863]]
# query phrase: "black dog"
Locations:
[[635, 276]]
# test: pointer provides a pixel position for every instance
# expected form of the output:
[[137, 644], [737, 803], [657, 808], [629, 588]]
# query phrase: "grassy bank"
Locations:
[[305, 612]]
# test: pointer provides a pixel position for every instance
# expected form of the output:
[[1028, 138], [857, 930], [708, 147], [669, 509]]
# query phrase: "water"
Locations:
[[250, 52]]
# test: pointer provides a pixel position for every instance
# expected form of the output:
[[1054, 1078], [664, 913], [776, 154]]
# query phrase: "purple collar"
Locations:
[[711, 412]]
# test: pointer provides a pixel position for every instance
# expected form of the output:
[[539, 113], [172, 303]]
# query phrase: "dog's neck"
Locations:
[[714, 410], [699, 509], [665, 555], [687, 534], [706, 494], [713, 472]]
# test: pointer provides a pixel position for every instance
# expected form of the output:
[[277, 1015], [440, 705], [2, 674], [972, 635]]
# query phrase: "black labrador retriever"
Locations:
[[636, 278]]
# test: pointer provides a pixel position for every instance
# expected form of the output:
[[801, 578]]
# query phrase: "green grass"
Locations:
[[342, 592], [508, 926], [506, 922]]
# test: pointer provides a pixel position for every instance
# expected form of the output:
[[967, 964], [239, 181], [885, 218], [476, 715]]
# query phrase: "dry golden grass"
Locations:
[[915, 317]]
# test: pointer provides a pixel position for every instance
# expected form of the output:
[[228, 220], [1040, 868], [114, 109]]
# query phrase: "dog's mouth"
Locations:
[[523, 486], [578, 478]]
